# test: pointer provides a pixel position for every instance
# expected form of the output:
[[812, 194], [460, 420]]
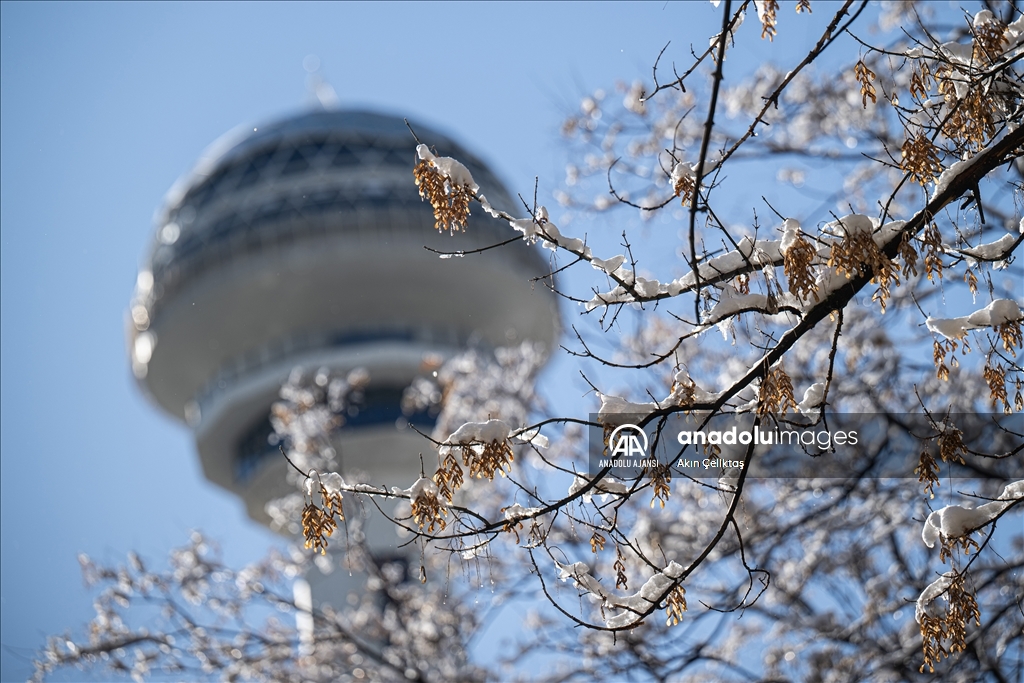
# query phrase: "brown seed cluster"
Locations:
[[969, 94], [684, 188], [920, 158], [886, 276], [951, 449], [661, 477], [597, 542], [319, 523], [857, 253], [684, 392], [483, 460], [951, 445], [803, 5], [427, 510], [970, 122], [675, 605], [939, 351], [776, 392], [932, 240], [972, 281], [907, 252], [962, 607], [797, 266], [995, 377], [989, 39], [927, 472], [621, 579], [950, 545], [865, 76], [496, 458], [921, 80], [514, 526], [1010, 333], [448, 476], [450, 203], [768, 18]]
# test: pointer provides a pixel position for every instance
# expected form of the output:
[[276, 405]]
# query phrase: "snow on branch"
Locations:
[[997, 313], [685, 392], [447, 185], [997, 251], [955, 521], [625, 611], [604, 487]]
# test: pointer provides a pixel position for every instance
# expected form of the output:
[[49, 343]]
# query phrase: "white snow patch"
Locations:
[[812, 398], [953, 521], [679, 171], [604, 488], [996, 313], [932, 591], [486, 206], [851, 224], [760, 253], [479, 432], [422, 487], [516, 512], [950, 328], [950, 174], [610, 265], [993, 251], [615, 410], [332, 481], [630, 607], [531, 436], [790, 234]]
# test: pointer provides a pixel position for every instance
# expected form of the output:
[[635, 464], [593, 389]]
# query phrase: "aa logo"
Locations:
[[628, 441]]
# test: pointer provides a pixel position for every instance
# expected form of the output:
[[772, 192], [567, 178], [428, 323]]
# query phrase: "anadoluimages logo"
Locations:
[[844, 446]]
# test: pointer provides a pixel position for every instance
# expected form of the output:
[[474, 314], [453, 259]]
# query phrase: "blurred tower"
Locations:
[[301, 243]]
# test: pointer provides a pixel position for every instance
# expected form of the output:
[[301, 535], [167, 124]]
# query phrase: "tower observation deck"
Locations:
[[301, 243]]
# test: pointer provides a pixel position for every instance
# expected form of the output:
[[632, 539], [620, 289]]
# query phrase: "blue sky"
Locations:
[[103, 106]]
